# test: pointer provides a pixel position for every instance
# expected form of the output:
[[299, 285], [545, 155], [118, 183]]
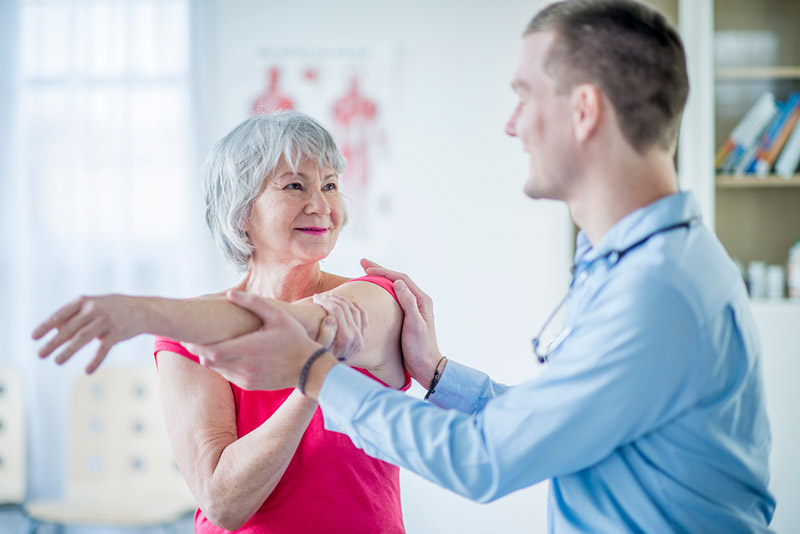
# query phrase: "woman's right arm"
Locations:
[[114, 318], [229, 476]]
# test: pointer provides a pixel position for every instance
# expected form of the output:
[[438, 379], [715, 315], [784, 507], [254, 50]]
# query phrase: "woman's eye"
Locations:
[[330, 187], [294, 185]]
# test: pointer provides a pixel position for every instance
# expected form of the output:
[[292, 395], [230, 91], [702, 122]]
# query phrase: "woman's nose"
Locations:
[[318, 203]]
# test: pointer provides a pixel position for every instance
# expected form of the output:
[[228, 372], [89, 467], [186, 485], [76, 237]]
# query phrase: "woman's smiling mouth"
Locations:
[[313, 230]]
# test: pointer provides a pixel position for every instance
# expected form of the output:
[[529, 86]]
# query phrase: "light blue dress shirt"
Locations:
[[649, 417]]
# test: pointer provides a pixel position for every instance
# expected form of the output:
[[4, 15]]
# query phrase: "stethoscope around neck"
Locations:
[[615, 256]]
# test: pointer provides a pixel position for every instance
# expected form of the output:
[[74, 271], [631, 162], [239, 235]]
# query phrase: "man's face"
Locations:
[[542, 122]]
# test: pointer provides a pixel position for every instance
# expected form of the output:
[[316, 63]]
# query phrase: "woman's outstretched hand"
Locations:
[[420, 352], [107, 318]]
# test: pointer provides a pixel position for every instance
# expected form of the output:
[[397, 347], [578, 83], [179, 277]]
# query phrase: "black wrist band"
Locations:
[[435, 380], [309, 362]]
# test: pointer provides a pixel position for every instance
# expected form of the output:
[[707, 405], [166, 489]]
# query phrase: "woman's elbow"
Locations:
[[224, 516], [224, 510]]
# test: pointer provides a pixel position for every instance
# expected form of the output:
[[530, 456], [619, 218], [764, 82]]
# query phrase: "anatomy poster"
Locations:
[[352, 91]]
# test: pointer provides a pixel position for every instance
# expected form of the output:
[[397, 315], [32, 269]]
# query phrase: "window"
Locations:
[[104, 107]]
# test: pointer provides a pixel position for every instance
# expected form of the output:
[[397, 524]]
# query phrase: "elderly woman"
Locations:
[[261, 461]]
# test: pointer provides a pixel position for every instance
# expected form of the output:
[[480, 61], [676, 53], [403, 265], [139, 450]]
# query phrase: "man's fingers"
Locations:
[[264, 309], [369, 264], [407, 299], [64, 334], [61, 315], [374, 269], [223, 351], [327, 331]]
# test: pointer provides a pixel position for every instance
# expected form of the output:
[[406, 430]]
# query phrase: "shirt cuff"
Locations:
[[343, 392], [460, 388]]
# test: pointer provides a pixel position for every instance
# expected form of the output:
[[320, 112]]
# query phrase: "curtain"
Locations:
[[99, 183]]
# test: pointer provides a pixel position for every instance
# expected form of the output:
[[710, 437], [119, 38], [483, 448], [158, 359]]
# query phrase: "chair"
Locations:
[[120, 468], [12, 439]]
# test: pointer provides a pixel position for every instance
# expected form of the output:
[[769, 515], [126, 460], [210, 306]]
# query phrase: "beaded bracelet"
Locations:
[[435, 380], [309, 362]]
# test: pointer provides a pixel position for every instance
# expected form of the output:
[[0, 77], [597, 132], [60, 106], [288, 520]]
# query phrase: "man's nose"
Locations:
[[511, 125]]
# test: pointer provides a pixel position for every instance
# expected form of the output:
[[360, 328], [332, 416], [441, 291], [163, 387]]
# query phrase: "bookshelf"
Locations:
[[756, 49], [736, 50], [729, 181], [757, 73]]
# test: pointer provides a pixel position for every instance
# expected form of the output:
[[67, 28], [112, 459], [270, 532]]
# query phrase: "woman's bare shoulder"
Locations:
[[332, 281]]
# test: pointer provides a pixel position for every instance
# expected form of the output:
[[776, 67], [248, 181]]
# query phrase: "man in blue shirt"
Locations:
[[650, 415]]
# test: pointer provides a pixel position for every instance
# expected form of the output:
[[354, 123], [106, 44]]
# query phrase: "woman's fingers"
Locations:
[[362, 314], [65, 333], [100, 355], [349, 310], [80, 339], [350, 323], [61, 315], [342, 342], [353, 335]]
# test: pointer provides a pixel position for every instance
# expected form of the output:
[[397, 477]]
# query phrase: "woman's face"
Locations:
[[298, 214]]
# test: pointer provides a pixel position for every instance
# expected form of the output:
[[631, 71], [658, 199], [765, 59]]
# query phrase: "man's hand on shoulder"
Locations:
[[420, 352]]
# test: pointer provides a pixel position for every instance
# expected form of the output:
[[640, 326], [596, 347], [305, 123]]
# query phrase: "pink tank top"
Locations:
[[330, 486]]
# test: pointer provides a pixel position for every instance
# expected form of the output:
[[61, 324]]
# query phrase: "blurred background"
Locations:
[[107, 108]]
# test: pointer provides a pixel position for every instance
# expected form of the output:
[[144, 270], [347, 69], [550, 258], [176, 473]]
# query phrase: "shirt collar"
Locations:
[[664, 212]]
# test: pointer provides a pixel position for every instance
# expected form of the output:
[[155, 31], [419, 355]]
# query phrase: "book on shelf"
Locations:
[[761, 137], [774, 139], [742, 142], [789, 158], [769, 160]]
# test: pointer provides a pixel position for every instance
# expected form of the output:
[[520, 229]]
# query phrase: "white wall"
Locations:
[[780, 343], [494, 262]]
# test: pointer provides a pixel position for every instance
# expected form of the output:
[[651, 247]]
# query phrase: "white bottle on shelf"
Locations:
[[793, 271], [757, 279]]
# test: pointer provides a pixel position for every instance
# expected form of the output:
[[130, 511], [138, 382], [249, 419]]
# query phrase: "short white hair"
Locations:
[[238, 164]]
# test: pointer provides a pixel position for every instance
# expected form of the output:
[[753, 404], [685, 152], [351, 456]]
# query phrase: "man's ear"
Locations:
[[587, 111]]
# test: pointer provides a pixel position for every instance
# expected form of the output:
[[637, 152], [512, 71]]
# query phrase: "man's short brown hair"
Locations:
[[628, 51]]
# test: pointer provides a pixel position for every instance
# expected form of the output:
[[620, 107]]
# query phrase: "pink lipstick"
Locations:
[[312, 230]]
